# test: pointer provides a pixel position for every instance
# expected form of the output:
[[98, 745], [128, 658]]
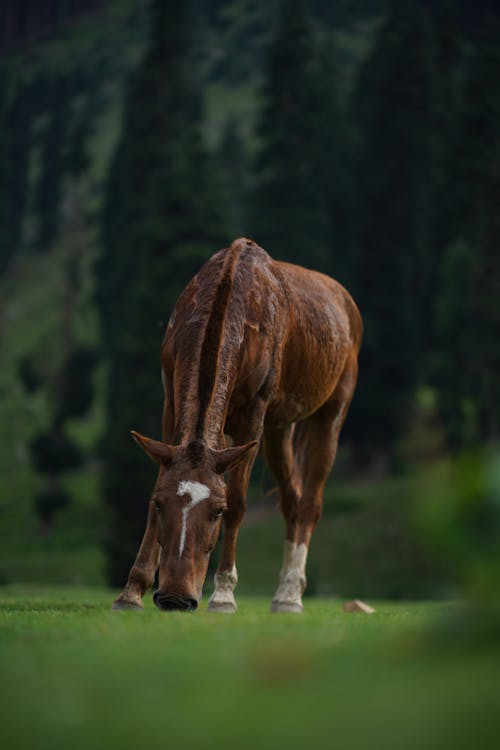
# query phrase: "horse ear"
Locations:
[[160, 452], [227, 459]]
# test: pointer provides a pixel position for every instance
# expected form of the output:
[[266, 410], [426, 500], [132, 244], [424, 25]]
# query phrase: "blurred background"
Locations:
[[357, 137]]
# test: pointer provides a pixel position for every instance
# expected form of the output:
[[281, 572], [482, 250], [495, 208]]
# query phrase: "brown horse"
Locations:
[[265, 352]]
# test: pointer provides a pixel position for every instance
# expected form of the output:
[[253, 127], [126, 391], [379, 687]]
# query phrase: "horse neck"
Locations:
[[206, 372], [199, 420]]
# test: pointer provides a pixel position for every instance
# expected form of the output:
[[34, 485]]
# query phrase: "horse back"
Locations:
[[253, 327]]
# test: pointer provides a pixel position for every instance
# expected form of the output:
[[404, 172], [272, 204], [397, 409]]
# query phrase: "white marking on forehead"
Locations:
[[198, 492]]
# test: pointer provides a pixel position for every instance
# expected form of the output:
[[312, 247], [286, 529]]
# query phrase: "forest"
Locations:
[[360, 138]]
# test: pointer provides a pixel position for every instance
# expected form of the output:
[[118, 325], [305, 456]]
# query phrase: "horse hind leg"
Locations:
[[279, 451], [315, 448], [316, 464]]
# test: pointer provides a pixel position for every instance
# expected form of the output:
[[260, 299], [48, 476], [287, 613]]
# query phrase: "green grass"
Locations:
[[76, 675]]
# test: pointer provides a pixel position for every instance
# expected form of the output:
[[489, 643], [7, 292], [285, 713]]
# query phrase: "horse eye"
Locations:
[[157, 505], [217, 514]]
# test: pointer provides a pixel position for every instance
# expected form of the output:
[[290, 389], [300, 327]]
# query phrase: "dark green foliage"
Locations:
[[396, 179], [15, 141], [345, 12], [29, 375], [158, 158], [450, 68], [26, 21], [234, 166], [49, 502], [460, 519], [53, 144], [456, 323], [232, 36], [161, 220], [295, 188], [467, 360], [53, 452], [76, 388], [52, 113]]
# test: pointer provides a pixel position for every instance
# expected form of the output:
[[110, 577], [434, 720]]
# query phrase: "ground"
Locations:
[[77, 675]]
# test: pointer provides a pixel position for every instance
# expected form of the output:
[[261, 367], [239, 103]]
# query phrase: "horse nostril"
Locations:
[[168, 602]]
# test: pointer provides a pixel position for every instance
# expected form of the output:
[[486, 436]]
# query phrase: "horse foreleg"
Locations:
[[247, 427], [226, 576], [142, 573]]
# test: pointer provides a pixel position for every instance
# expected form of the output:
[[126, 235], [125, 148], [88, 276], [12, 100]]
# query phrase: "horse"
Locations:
[[264, 352]]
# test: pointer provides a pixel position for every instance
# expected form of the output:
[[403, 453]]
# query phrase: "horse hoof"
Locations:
[[287, 607], [225, 607], [120, 604]]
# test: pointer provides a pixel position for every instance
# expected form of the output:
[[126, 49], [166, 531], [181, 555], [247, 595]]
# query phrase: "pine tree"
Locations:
[[450, 65], [396, 162], [53, 145], [161, 221], [15, 143], [295, 175], [467, 310], [234, 168]]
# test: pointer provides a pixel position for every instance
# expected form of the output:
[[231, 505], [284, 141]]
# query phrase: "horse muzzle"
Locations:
[[171, 602]]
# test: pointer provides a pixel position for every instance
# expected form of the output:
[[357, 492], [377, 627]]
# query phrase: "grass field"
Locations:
[[76, 675]]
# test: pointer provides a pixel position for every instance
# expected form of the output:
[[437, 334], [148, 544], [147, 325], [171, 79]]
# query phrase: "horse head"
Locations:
[[189, 499]]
